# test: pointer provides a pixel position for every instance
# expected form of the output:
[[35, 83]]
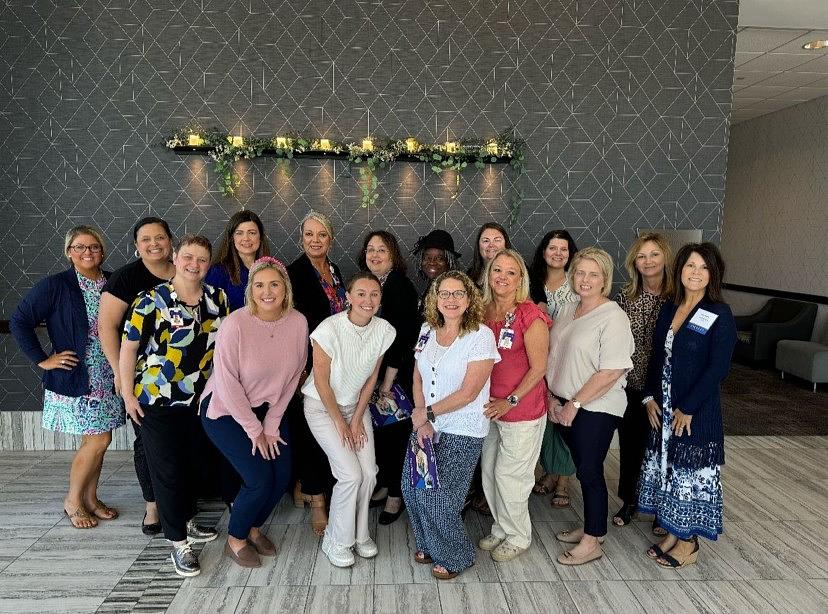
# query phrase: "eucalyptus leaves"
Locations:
[[370, 155]]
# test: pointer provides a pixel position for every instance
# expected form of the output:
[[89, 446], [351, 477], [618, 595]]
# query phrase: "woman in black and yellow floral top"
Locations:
[[167, 352], [648, 264]]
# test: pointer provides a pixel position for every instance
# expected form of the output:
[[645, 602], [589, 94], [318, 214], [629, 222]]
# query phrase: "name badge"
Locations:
[[176, 319], [702, 321], [507, 336], [421, 342]]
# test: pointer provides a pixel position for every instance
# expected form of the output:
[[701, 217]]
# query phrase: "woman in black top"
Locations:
[[381, 255], [318, 293], [153, 250], [492, 239]]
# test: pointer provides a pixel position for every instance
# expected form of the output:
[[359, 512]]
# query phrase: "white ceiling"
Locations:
[[772, 70]]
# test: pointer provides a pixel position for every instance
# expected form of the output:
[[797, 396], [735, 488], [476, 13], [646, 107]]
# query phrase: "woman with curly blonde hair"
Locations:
[[455, 354]]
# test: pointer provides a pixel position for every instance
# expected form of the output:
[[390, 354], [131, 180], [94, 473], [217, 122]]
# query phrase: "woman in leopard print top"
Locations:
[[648, 265]]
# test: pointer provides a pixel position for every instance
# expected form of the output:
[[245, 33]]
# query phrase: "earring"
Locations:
[[135, 253]]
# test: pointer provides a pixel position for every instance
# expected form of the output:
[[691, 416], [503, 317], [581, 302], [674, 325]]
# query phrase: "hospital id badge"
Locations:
[[507, 336], [176, 319]]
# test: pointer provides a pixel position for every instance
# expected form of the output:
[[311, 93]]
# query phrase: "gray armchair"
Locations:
[[779, 319]]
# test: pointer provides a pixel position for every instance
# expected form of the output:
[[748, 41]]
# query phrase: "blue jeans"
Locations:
[[263, 481]]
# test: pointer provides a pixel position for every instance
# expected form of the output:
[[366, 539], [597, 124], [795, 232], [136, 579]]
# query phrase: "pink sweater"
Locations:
[[256, 362]]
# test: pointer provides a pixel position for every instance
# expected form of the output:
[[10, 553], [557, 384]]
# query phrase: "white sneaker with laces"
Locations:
[[367, 549], [339, 556]]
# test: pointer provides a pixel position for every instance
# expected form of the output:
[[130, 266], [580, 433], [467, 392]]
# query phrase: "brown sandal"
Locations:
[[444, 575], [544, 484], [80, 514], [299, 498], [560, 498], [319, 517], [422, 558], [103, 512]]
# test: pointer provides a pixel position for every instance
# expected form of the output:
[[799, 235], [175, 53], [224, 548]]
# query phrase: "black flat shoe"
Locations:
[[150, 529], [389, 517], [377, 502]]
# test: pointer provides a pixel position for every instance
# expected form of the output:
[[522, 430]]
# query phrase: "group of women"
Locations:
[[278, 367]]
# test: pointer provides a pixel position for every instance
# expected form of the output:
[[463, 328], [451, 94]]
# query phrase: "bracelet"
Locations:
[[646, 400]]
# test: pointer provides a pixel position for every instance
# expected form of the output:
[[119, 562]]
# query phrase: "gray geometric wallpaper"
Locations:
[[624, 106]]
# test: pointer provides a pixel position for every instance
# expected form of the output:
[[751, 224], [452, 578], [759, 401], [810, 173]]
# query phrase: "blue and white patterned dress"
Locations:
[[686, 500], [100, 411]]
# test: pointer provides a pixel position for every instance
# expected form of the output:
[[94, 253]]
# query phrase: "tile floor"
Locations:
[[773, 556]]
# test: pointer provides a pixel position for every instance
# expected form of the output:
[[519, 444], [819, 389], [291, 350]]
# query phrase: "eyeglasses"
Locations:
[[444, 294], [79, 249]]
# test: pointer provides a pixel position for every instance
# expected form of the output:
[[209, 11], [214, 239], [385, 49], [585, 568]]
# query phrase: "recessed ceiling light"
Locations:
[[820, 44]]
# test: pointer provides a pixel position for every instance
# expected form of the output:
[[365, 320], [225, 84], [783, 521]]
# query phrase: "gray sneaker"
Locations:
[[185, 561], [199, 534]]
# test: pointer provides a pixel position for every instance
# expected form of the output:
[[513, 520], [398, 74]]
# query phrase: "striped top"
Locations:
[[354, 352]]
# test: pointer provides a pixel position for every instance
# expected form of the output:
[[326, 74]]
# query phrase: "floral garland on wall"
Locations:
[[369, 156]]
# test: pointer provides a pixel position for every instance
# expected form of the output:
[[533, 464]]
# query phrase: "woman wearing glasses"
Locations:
[[79, 384], [455, 354]]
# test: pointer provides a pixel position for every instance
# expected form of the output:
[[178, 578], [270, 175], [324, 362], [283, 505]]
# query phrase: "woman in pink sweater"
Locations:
[[260, 354]]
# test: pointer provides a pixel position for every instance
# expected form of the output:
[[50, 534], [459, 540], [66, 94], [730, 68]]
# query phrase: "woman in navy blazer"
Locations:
[[79, 395], [692, 345]]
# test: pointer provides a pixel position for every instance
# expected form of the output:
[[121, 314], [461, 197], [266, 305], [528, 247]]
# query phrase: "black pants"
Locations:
[[589, 440], [171, 442], [310, 463], [390, 443], [633, 435], [139, 457]]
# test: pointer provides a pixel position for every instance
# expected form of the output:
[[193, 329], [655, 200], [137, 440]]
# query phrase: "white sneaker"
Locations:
[[339, 556], [490, 542], [367, 549]]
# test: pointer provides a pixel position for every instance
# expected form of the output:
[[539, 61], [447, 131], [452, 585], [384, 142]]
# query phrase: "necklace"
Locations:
[[360, 331]]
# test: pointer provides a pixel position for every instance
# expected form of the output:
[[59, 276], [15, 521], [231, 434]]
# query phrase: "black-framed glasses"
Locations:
[[79, 249], [458, 294]]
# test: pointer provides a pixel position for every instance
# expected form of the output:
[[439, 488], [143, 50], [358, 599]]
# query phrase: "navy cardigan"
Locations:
[[56, 300], [699, 364]]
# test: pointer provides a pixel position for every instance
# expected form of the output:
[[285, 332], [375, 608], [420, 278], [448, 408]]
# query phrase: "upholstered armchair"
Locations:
[[779, 319]]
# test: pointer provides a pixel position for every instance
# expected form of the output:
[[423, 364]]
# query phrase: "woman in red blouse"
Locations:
[[517, 406]]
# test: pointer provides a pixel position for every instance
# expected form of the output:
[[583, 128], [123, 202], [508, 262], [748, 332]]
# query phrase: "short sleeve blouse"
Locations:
[[510, 371], [174, 359], [442, 371], [578, 348], [354, 352]]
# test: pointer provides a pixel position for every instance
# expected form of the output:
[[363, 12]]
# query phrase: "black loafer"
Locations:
[[388, 517], [150, 529]]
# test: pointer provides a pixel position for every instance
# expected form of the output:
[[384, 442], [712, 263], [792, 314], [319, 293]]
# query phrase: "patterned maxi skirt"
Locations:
[[435, 514], [679, 483]]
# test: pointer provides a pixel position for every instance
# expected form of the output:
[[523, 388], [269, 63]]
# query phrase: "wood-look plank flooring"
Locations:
[[773, 556]]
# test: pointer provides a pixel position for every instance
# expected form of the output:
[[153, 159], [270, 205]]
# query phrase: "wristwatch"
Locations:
[[430, 414], [512, 400], [575, 403]]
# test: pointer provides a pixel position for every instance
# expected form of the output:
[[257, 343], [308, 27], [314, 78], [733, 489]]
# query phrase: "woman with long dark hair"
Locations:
[[550, 288], [492, 239], [242, 243], [692, 346]]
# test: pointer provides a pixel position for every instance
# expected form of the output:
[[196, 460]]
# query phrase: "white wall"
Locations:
[[775, 223]]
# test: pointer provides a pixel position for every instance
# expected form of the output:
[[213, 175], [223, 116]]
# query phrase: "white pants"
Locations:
[[510, 453], [355, 472]]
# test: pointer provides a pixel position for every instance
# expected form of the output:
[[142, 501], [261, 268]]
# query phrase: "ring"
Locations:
[[63, 362]]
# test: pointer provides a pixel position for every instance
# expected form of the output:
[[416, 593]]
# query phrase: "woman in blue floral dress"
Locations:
[[79, 385], [692, 346]]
